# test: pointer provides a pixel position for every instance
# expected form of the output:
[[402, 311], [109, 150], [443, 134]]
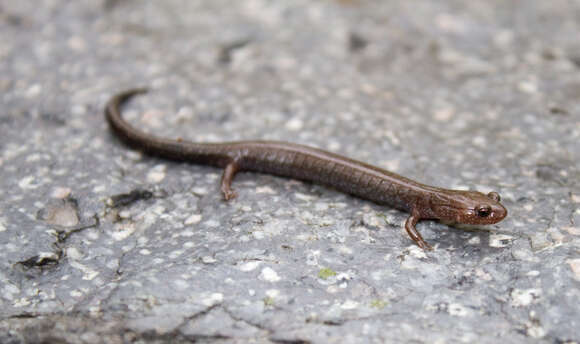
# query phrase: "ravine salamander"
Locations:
[[306, 163]]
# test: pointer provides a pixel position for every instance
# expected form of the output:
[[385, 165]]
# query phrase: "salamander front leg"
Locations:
[[227, 177], [412, 231]]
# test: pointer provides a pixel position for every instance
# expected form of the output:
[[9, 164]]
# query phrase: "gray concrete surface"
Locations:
[[99, 244]]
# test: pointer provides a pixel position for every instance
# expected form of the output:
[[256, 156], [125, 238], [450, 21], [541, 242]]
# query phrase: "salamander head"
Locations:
[[468, 207]]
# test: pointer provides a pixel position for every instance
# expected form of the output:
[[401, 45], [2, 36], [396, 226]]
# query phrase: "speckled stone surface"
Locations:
[[100, 244]]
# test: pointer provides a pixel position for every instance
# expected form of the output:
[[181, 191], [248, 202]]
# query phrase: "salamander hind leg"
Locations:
[[412, 231], [226, 184]]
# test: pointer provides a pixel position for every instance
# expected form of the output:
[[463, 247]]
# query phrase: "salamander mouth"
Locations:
[[463, 215]]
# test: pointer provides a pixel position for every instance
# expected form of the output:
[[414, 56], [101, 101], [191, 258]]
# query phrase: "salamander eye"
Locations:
[[483, 210], [494, 196]]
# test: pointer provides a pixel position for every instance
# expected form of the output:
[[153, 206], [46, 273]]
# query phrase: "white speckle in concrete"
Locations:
[[450, 23], [269, 275], [2, 224], [344, 276], [475, 241], [391, 165], [200, 190], [265, 190], [417, 252], [528, 86], [27, 183], [482, 274], [334, 146], [371, 219], [535, 330], [444, 114], [208, 260], [77, 44], [89, 273], [249, 266], [503, 39], [345, 250], [321, 206], [312, 257], [575, 266], [74, 254], [144, 252], [500, 240], [294, 124], [123, 231], [76, 293], [187, 233], [22, 302], [213, 299], [34, 90], [134, 155], [304, 197], [157, 174], [525, 297], [124, 214], [60, 192], [157, 209], [479, 141], [47, 255], [458, 310], [349, 304], [193, 219]]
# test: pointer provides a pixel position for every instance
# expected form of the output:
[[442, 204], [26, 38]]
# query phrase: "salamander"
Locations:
[[316, 165]]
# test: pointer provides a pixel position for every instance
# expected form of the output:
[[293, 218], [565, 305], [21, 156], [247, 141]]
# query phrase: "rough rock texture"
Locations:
[[99, 244]]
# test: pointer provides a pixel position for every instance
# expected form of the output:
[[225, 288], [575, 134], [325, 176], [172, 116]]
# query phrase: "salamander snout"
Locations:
[[486, 209], [468, 207]]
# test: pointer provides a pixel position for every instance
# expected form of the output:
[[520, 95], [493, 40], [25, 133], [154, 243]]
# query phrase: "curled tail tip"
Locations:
[[123, 96], [139, 90], [112, 107], [135, 91]]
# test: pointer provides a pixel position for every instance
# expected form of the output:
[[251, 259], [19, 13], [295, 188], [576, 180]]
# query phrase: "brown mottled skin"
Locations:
[[306, 163]]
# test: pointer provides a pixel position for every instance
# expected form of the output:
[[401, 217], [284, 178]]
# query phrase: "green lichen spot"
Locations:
[[326, 273], [380, 304], [268, 301]]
